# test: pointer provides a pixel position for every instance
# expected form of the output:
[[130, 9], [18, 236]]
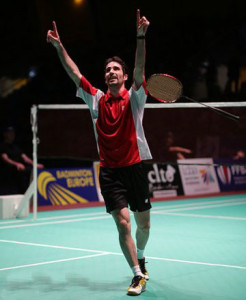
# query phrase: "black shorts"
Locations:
[[125, 186]]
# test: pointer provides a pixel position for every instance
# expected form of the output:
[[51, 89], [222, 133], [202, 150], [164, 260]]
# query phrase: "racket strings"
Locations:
[[165, 88]]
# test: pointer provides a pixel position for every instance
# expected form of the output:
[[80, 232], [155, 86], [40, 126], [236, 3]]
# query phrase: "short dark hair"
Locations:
[[8, 128], [119, 61]]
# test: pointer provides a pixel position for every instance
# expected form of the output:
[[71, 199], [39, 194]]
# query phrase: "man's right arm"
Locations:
[[68, 64], [7, 160]]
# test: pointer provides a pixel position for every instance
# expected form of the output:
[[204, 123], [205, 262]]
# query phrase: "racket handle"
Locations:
[[217, 110]]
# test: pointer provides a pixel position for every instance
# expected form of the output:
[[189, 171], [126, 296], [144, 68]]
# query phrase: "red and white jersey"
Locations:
[[117, 124]]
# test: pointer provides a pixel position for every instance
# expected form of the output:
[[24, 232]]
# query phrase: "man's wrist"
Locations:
[[58, 45], [140, 37]]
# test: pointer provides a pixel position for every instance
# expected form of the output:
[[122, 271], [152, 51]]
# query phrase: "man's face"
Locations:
[[114, 74], [9, 136]]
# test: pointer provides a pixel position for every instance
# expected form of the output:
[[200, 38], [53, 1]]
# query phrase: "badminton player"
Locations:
[[117, 120]]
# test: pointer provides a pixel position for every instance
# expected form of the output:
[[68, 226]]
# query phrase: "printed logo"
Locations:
[[57, 194], [158, 175], [206, 176], [224, 174]]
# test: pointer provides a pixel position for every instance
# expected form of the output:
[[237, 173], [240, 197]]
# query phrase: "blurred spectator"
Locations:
[[240, 154], [222, 78], [15, 165], [233, 79], [207, 146], [170, 152]]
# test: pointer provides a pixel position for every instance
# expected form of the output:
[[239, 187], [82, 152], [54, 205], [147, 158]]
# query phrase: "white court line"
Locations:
[[103, 213], [153, 208], [74, 216], [13, 222], [200, 203], [204, 216], [193, 207], [57, 217], [156, 207], [53, 262], [55, 222], [200, 207], [197, 263], [112, 253], [52, 246]]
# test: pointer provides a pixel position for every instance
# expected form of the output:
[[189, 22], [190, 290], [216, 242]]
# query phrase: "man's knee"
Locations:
[[144, 227], [122, 220], [123, 226]]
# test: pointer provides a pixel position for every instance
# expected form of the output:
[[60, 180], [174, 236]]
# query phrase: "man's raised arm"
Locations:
[[139, 70], [68, 64]]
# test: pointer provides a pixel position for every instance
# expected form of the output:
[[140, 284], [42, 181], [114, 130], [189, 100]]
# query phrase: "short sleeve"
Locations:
[[90, 95]]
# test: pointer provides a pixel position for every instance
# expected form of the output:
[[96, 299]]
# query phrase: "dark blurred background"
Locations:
[[203, 43]]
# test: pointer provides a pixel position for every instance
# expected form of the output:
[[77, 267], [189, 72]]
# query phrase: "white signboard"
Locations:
[[198, 176]]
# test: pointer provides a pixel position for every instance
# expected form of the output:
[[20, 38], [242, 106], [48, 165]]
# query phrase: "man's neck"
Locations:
[[115, 91]]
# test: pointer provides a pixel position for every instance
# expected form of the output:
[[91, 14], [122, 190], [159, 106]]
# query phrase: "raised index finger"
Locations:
[[54, 26], [138, 16]]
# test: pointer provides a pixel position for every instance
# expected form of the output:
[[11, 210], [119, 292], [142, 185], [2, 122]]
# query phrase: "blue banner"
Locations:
[[66, 186], [231, 174]]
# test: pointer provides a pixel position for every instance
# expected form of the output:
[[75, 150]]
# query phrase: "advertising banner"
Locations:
[[164, 180], [198, 176], [66, 186], [231, 174]]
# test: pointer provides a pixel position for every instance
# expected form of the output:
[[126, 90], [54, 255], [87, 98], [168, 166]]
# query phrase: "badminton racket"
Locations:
[[166, 88]]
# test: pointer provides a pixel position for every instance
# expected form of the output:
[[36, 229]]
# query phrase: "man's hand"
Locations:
[[20, 167], [40, 166], [53, 36], [142, 24], [67, 63]]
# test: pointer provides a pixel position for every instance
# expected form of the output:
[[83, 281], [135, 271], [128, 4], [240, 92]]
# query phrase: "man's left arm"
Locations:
[[29, 161], [139, 70]]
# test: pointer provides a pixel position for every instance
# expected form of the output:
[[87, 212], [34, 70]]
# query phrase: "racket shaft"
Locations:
[[217, 110]]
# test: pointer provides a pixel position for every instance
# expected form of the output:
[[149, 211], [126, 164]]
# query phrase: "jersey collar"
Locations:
[[122, 95]]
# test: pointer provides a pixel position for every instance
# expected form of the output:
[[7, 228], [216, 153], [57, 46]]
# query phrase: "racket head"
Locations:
[[164, 87]]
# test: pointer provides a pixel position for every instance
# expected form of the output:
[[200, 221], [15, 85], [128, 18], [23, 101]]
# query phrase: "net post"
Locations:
[[34, 142]]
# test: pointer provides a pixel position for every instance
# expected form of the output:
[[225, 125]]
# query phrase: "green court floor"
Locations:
[[197, 250]]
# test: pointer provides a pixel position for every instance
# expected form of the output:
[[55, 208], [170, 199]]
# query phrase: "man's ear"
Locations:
[[125, 77]]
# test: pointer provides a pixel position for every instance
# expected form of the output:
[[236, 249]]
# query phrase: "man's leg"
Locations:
[[142, 236], [122, 220], [143, 227]]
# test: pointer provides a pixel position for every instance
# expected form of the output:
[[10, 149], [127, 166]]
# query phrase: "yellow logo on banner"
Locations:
[[57, 194]]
